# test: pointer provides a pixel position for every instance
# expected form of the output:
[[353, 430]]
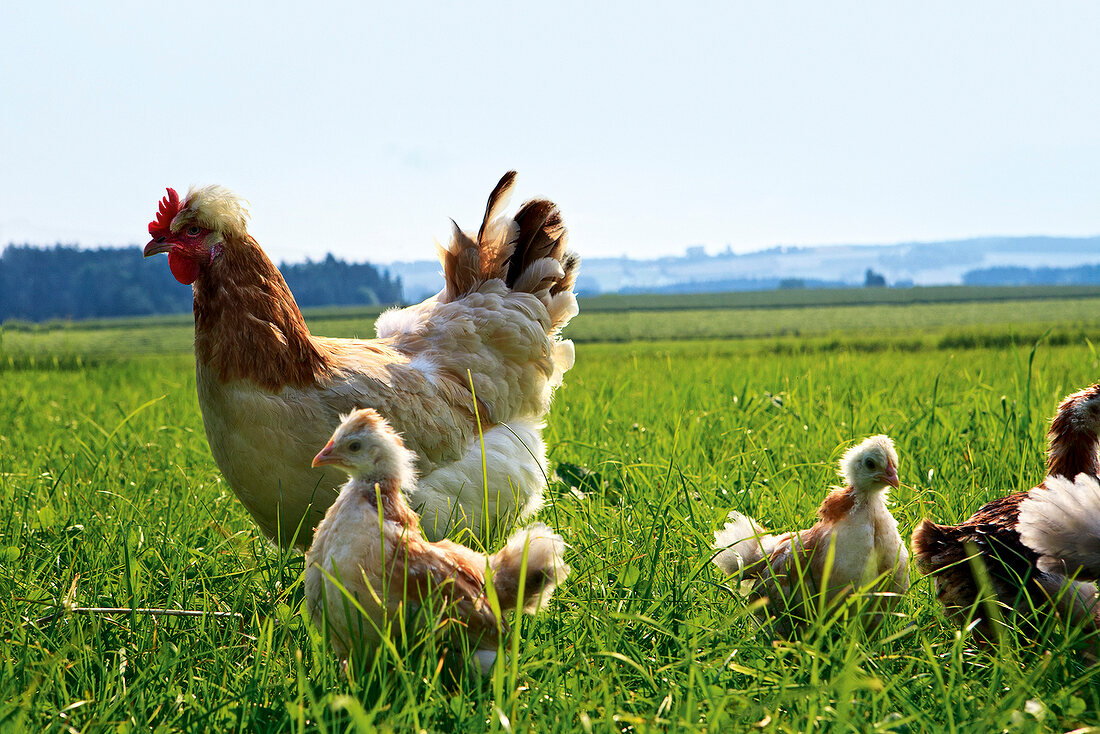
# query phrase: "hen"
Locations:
[[1020, 579], [854, 520], [270, 391], [369, 551]]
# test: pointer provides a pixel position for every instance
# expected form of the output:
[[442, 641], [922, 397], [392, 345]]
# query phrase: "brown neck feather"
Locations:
[[247, 324], [836, 504], [1073, 449], [394, 506]]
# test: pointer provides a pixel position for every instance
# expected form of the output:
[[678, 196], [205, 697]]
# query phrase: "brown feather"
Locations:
[[541, 234], [1073, 443], [248, 325], [498, 199], [836, 505]]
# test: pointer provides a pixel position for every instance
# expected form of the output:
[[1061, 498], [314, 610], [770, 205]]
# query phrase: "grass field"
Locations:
[[109, 497]]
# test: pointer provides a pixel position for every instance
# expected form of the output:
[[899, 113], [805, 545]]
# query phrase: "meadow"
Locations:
[[672, 417]]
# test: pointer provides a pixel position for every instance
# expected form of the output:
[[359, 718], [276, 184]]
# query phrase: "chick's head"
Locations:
[[367, 447], [871, 466]]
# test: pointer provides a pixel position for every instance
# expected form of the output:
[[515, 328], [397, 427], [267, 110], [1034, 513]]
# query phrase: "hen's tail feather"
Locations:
[[498, 199], [545, 567], [744, 543], [527, 252], [541, 235], [1062, 522]]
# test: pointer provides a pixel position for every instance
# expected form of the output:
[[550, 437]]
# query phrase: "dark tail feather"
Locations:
[[527, 252]]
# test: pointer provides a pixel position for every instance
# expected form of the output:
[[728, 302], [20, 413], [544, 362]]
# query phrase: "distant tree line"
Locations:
[[67, 282]]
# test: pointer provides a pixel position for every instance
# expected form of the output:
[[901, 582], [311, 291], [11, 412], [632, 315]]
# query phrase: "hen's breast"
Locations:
[[264, 444]]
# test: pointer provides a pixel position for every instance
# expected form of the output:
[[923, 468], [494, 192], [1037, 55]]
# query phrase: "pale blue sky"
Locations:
[[360, 128]]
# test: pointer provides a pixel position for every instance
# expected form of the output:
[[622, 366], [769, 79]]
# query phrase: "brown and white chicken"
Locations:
[[1025, 572], [270, 391], [369, 548], [854, 520]]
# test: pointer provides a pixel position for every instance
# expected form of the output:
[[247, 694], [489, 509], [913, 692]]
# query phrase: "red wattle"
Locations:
[[185, 269]]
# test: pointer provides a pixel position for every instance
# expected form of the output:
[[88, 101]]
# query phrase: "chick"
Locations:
[[370, 553], [854, 519]]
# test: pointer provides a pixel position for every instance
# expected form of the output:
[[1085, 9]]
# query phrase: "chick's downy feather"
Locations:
[[854, 543], [369, 554]]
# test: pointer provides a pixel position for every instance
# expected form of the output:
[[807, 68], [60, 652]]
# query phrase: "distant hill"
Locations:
[[910, 263], [1014, 275]]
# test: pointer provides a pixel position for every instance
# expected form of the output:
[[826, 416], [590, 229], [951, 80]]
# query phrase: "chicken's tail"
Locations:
[[1062, 521], [528, 252], [743, 543], [936, 546], [535, 555]]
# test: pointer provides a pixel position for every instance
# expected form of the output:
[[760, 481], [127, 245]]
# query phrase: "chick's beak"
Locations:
[[326, 456], [157, 246], [890, 476]]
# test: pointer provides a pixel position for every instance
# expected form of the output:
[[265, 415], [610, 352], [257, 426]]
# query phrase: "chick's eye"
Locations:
[[355, 445], [193, 230], [869, 463]]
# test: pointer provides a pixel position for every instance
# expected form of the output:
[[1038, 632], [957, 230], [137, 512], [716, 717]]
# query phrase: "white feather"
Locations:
[[1062, 521], [741, 540]]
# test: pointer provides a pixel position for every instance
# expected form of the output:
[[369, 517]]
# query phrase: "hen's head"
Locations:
[[871, 466], [366, 447], [197, 230]]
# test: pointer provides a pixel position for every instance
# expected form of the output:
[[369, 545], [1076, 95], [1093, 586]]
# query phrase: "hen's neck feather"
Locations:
[[1073, 449], [248, 326]]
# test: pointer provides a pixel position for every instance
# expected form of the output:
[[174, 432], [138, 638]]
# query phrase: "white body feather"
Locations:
[[743, 543], [345, 563], [1062, 522]]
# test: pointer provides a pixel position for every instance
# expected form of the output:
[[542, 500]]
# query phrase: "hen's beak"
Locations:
[[157, 246], [325, 456], [890, 476]]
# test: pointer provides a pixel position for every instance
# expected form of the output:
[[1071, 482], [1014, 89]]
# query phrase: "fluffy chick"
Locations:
[[369, 548], [854, 519]]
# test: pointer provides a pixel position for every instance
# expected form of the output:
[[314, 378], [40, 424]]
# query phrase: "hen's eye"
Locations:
[[869, 463], [355, 445], [193, 230]]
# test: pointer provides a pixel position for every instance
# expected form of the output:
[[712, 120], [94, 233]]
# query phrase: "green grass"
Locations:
[[109, 497]]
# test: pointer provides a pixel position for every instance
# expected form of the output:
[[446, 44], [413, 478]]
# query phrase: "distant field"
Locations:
[[833, 297], [109, 497], [961, 323]]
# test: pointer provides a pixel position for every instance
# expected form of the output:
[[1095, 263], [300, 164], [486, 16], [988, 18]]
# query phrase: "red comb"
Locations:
[[169, 208]]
